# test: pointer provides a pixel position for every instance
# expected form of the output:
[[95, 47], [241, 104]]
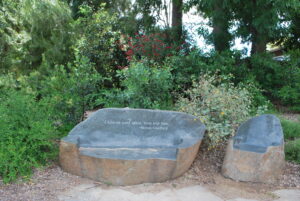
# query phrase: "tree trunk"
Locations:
[[259, 43], [258, 39], [220, 33], [177, 19]]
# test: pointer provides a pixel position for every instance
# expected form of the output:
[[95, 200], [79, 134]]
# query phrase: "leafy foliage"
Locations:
[[154, 46], [220, 15], [219, 104], [280, 80], [34, 33], [196, 63], [69, 90], [145, 86], [26, 135], [290, 91], [37, 109], [98, 40]]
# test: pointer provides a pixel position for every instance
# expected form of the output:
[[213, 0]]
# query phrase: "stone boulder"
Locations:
[[256, 152], [132, 146]]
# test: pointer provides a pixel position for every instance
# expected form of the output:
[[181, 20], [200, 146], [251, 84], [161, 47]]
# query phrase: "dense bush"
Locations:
[[290, 92], [185, 68], [259, 100], [98, 39], [68, 90], [280, 80], [228, 62], [37, 109], [219, 104], [145, 85], [26, 134], [268, 72], [34, 33]]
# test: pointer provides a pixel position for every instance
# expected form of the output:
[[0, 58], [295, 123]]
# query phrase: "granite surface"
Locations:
[[130, 146], [259, 133], [256, 153]]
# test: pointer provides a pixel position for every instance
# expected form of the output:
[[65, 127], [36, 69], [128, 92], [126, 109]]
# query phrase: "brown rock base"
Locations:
[[254, 167], [125, 172]]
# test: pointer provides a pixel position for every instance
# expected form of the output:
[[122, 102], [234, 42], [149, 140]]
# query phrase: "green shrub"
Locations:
[[267, 72], [219, 104], [26, 135], [290, 92], [185, 67], [290, 95], [280, 80], [98, 39], [291, 129], [144, 86], [292, 150], [70, 90], [259, 100], [227, 63], [34, 32], [36, 109]]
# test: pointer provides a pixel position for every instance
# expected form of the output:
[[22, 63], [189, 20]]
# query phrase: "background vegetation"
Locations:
[[60, 58]]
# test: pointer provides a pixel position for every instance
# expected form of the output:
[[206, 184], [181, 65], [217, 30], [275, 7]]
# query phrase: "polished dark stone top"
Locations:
[[136, 133], [259, 133]]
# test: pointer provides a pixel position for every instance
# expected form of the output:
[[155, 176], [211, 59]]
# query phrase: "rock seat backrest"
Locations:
[[259, 133], [137, 128]]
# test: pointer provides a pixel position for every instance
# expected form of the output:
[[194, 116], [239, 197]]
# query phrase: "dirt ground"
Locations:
[[46, 184]]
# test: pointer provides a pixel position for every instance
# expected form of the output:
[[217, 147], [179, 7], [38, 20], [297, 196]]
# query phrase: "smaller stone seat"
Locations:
[[256, 152]]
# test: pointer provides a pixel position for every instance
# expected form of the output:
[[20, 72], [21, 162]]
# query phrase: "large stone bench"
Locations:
[[132, 146]]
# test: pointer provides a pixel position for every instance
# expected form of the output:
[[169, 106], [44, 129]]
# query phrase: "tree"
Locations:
[[219, 13], [221, 17], [11, 34], [149, 13], [34, 32], [260, 21], [49, 24]]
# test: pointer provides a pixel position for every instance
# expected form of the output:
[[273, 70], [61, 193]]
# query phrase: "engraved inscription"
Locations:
[[144, 125]]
